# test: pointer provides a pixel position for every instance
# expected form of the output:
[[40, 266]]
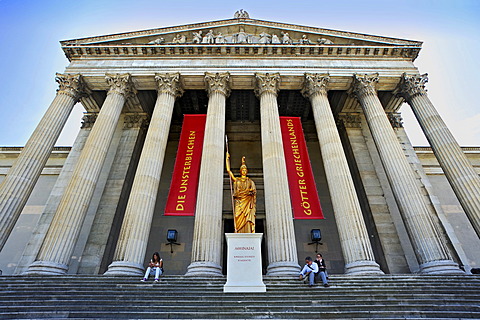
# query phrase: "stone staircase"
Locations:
[[180, 297]]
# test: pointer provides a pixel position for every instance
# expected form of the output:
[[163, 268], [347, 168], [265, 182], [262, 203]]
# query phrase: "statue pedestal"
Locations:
[[244, 263]]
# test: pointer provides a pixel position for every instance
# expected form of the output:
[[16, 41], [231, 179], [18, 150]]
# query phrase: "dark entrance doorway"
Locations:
[[259, 228]]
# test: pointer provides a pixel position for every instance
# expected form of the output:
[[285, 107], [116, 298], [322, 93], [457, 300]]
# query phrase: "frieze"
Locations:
[[244, 49]]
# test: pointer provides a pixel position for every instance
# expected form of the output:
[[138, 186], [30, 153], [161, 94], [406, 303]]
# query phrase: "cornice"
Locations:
[[253, 51]]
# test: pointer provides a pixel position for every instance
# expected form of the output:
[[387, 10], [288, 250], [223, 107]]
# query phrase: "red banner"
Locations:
[[183, 189], [303, 190]]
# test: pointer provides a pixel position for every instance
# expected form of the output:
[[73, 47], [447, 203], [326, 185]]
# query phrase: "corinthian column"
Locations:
[[62, 235], [356, 247], [20, 180], [430, 249], [282, 248], [207, 235], [132, 243], [460, 173]]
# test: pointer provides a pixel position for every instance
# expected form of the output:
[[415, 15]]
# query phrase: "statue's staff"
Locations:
[[230, 179]]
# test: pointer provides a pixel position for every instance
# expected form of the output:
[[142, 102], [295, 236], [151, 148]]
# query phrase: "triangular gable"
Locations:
[[241, 31]]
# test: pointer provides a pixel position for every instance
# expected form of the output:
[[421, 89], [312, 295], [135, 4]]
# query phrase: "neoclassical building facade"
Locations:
[[99, 207]]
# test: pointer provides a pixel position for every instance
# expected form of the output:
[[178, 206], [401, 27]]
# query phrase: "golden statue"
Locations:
[[244, 198]]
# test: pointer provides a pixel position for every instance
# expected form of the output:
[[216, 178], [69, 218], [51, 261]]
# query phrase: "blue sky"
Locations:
[[31, 53]]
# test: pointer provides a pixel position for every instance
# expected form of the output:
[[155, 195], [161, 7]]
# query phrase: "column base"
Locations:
[[124, 268], [204, 268], [47, 268], [362, 267], [283, 269], [440, 267]]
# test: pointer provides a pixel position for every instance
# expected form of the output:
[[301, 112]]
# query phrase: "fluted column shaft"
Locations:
[[23, 175], [354, 239], [62, 235], [282, 249], [132, 243], [432, 253], [460, 173], [207, 235]]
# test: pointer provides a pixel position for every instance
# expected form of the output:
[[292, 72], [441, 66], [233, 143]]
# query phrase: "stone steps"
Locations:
[[180, 297]]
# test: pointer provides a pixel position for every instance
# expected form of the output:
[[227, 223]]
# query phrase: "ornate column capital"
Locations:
[[266, 82], [315, 83], [395, 119], [364, 85], [349, 120], [217, 82], [88, 120], [121, 84], [136, 120], [411, 86], [169, 83], [71, 85]]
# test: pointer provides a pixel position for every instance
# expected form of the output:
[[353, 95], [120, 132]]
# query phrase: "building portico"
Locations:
[[243, 74]]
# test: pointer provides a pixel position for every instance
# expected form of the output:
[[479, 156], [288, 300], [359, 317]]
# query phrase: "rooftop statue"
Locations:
[[241, 14], [244, 199]]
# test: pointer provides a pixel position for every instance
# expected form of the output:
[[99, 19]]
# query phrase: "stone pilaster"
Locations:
[[132, 243], [431, 251], [282, 249], [20, 180], [460, 173], [60, 240], [207, 235], [354, 239]]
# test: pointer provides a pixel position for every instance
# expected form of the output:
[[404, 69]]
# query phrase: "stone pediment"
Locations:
[[237, 32]]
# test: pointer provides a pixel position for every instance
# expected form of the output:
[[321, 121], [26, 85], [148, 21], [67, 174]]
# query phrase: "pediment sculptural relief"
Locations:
[[241, 37]]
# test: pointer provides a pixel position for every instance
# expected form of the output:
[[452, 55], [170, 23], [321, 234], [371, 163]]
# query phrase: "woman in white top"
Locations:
[[155, 266]]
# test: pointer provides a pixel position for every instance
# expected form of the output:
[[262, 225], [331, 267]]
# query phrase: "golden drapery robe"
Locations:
[[245, 198]]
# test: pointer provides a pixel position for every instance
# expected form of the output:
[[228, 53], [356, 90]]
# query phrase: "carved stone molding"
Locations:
[[396, 119], [218, 82], [267, 82], [364, 85], [349, 120], [88, 120], [411, 86], [136, 120], [169, 83], [71, 85], [315, 83], [121, 84]]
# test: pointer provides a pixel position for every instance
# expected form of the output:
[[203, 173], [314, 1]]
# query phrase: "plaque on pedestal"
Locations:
[[244, 263]]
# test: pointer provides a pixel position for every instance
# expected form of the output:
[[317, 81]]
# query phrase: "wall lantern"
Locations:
[[316, 237], [172, 235]]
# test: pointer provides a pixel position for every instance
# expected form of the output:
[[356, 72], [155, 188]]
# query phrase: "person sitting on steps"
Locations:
[[309, 270], [155, 266], [322, 269]]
